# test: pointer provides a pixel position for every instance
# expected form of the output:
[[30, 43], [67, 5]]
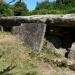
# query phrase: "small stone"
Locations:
[[72, 51], [72, 67]]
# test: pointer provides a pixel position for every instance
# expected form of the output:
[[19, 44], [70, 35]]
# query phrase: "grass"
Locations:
[[15, 59], [13, 53]]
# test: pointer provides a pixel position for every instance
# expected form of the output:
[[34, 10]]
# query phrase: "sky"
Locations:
[[31, 4]]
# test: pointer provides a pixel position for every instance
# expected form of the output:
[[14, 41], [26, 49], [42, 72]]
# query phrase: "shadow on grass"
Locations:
[[7, 70]]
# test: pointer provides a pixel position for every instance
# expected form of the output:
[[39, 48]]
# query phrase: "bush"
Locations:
[[57, 63], [20, 9], [63, 63]]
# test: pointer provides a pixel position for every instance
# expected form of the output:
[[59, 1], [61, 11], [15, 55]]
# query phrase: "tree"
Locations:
[[5, 9], [43, 5], [65, 3], [20, 9]]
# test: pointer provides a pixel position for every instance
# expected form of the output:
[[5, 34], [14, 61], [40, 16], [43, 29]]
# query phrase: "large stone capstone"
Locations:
[[53, 20]]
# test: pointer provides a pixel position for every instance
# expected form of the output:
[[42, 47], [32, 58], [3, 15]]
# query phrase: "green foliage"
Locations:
[[57, 7], [62, 4], [43, 5], [62, 63], [20, 9], [5, 10]]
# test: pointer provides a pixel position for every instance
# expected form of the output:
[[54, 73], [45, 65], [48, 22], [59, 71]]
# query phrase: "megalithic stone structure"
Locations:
[[57, 30], [32, 34]]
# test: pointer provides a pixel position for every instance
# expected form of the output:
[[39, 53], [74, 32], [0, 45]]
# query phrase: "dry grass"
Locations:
[[12, 52], [15, 59]]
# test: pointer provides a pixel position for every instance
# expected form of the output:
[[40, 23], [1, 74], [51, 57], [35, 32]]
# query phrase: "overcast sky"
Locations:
[[30, 3]]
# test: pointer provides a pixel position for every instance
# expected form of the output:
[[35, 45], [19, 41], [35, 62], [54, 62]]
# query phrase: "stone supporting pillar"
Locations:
[[1, 28], [32, 34]]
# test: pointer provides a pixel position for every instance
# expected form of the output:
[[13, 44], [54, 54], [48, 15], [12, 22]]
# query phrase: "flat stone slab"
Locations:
[[32, 34], [67, 20]]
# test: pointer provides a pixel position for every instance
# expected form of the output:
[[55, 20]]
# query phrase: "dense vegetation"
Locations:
[[45, 7]]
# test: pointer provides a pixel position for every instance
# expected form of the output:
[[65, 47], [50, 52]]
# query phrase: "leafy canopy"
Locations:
[[20, 8]]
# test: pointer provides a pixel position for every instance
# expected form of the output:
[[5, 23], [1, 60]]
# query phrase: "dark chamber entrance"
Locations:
[[7, 29], [60, 37]]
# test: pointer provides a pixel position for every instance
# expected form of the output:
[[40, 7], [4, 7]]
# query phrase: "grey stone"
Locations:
[[15, 29], [50, 46], [33, 34], [72, 67], [72, 51], [54, 44]]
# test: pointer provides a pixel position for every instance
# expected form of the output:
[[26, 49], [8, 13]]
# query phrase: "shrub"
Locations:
[[57, 63], [63, 63]]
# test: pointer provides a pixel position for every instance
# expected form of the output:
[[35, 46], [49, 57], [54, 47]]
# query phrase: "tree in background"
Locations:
[[57, 7], [5, 9], [20, 9], [43, 5]]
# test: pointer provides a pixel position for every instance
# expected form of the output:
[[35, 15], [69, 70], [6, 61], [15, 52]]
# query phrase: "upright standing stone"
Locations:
[[33, 34], [72, 51], [16, 29]]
